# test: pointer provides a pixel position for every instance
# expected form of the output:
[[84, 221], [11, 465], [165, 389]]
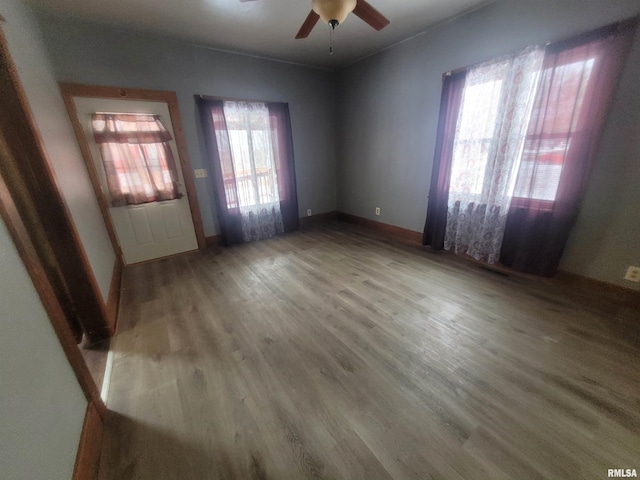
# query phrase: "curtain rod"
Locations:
[[124, 113], [629, 23], [230, 99]]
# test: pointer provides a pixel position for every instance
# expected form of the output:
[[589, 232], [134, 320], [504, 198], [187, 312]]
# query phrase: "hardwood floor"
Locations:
[[95, 356], [334, 354]]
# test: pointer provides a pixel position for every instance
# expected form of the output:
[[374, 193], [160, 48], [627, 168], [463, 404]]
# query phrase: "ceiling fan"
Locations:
[[334, 12]]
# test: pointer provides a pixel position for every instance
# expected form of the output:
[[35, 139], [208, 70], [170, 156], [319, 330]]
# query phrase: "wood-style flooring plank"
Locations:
[[333, 354]]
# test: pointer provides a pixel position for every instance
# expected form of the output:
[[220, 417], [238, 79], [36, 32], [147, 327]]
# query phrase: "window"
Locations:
[[250, 150], [137, 158], [252, 154], [548, 142], [537, 167], [516, 141], [475, 135]]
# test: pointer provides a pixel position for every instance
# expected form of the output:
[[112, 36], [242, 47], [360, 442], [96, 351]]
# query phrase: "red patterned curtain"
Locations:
[[137, 158]]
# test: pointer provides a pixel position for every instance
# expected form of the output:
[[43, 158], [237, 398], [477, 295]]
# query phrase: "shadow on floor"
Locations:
[[95, 356], [132, 449]]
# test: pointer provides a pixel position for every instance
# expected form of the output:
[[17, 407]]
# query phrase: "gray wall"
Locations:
[[42, 406], [388, 111], [101, 55], [59, 142]]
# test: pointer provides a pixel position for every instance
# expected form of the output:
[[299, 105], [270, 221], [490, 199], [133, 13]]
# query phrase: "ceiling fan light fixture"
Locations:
[[330, 10]]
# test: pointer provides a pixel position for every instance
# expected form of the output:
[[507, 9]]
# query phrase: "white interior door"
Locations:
[[151, 230]]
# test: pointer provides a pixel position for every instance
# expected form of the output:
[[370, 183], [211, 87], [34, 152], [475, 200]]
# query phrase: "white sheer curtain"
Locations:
[[256, 181], [490, 133]]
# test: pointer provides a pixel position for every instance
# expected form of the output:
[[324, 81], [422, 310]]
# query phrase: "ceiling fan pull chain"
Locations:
[[331, 27]]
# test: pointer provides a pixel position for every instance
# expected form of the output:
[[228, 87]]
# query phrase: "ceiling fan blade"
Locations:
[[370, 15], [308, 25]]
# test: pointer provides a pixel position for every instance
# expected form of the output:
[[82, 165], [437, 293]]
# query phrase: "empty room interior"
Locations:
[[305, 239]]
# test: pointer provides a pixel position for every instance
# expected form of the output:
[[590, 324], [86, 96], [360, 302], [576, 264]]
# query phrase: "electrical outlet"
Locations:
[[377, 210], [308, 212], [633, 274], [200, 173]]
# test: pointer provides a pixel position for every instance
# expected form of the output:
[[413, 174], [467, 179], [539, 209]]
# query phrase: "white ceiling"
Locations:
[[265, 27]]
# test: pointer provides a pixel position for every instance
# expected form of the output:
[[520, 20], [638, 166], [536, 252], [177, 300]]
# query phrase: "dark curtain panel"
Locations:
[[218, 146], [228, 200], [436, 222], [576, 87], [282, 141]]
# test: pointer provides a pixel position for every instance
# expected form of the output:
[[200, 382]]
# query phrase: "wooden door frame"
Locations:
[[27, 185], [71, 90]]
